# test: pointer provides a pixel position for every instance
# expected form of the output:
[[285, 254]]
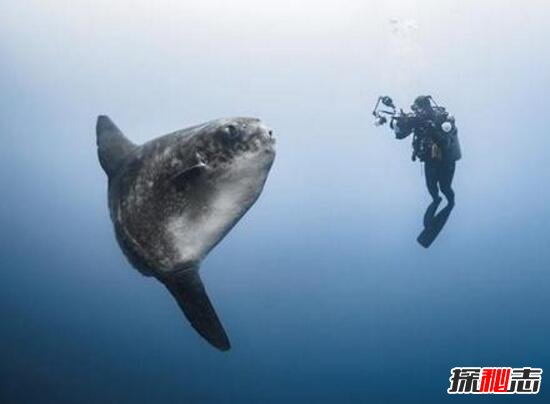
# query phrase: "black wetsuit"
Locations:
[[439, 176], [438, 150]]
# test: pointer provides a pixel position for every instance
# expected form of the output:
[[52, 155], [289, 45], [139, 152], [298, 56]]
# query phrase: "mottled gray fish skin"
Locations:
[[174, 198]]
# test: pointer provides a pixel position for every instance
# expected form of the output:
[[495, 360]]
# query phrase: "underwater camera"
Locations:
[[379, 113], [391, 114]]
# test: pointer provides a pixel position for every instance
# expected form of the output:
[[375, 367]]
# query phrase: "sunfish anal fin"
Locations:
[[188, 290]]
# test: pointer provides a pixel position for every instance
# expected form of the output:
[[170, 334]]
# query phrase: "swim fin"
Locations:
[[434, 227]]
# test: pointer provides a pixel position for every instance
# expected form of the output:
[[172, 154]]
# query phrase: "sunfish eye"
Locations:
[[231, 132]]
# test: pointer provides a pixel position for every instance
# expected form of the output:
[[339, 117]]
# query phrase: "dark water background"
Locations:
[[324, 293]]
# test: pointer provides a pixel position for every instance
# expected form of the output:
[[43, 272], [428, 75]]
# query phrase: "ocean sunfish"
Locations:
[[174, 198]]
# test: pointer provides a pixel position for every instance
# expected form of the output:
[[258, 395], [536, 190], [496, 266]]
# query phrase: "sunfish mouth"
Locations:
[[270, 143], [265, 136]]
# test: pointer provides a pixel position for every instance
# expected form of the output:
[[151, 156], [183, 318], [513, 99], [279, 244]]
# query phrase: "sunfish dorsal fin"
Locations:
[[112, 145]]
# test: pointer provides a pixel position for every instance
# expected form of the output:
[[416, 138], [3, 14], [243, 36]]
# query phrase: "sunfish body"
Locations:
[[174, 198]]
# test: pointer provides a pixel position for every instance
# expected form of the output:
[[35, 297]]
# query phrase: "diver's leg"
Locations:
[[430, 212], [444, 175], [445, 181], [431, 173]]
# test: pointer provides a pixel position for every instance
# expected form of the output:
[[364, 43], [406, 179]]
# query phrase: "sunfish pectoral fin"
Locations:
[[184, 176], [112, 145], [188, 174], [187, 288]]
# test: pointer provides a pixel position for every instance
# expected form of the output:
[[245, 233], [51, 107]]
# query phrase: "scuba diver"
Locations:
[[435, 143]]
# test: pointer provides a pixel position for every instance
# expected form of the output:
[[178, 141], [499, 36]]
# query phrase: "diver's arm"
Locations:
[[403, 126]]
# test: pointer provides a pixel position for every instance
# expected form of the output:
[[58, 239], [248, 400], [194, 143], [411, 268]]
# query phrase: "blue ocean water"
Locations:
[[323, 291]]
